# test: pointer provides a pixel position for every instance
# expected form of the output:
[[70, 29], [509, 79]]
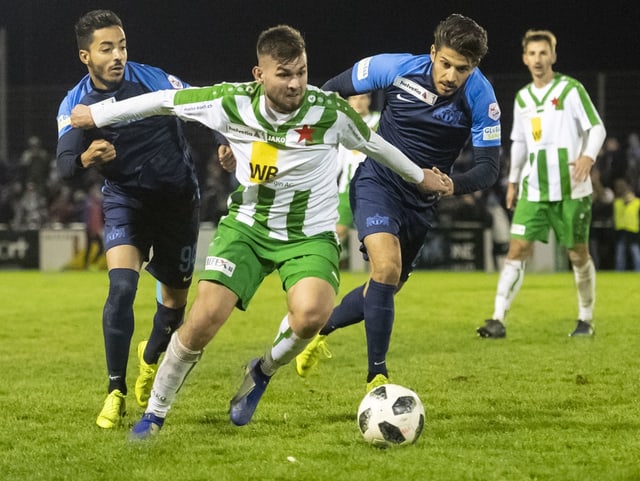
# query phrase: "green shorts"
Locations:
[[570, 220], [239, 258], [345, 216]]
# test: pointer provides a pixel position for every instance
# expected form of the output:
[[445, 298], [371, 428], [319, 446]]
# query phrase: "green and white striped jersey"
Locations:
[[553, 121], [348, 159], [286, 165]]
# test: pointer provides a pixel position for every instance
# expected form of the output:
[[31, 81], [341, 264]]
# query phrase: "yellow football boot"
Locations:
[[144, 383], [379, 380], [308, 359], [113, 411]]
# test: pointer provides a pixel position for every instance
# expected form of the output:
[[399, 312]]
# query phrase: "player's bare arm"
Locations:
[[512, 195], [99, 152]]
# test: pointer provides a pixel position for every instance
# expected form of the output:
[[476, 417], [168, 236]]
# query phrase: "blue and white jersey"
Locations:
[[428, 128], [151, 154]]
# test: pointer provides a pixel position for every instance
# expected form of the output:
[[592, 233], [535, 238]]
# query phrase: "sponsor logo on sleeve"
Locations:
[[494, 111], [491, 133], [63, 122], [363, 68], [175, 82]]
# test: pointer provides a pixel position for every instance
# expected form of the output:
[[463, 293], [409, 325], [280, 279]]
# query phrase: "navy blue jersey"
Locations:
[[151, 154], [429, 129]]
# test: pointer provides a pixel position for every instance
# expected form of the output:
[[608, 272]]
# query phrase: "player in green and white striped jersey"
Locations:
[[557, 134], [281, 158], [284, 135]]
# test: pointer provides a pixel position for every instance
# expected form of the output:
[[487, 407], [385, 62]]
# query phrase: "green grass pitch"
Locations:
[[535, 406]]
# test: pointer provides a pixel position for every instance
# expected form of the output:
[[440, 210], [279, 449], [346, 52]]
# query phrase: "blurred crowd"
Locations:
[[615, 237], [33, 196]]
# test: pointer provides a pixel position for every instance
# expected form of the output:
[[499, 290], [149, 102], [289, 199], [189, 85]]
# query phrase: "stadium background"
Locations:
[[539, 406], [208, 41]]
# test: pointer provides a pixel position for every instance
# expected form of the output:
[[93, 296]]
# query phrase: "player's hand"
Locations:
[[226, 158], [582, 168], [512, 195], [99, 152], [433, 183], [81, 117], [448, 181]]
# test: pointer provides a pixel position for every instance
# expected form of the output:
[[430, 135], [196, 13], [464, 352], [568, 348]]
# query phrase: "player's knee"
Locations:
[[519, 250], [306, 323], [174, 298], [579, 256], [389, 275], [123, 284], [310, 329]]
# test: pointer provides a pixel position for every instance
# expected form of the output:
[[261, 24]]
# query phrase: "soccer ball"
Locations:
[[391, 415]]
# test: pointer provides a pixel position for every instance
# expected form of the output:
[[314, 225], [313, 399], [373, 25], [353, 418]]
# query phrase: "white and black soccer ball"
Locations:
[[391, 415]]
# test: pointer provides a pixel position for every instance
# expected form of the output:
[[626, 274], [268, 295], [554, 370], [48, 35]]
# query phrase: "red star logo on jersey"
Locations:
[[555, 102], [305, 133]]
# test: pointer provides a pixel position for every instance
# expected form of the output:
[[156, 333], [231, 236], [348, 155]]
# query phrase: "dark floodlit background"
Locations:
[[207, 41]]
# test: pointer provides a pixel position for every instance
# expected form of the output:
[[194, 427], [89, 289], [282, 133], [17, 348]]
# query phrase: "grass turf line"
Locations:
[[537, 405]]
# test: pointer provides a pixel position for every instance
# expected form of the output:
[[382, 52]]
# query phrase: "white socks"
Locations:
[[512, 276], [177, 363], [585, 278], [286, 346], [509, 284]]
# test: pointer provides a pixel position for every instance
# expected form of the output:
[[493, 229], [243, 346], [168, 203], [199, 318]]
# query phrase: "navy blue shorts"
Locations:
[[167, 223], [377, 208]]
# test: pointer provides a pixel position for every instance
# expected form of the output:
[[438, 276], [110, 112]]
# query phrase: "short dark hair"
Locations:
[[92, 21], [282, 42], [463, 35]]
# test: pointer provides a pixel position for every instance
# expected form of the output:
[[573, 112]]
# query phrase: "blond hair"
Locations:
[[539, 36]]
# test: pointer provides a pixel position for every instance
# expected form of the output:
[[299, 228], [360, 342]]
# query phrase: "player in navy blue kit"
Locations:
[[434, 103], [151, 199]]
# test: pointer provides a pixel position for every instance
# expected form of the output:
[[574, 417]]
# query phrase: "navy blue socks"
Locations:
[[165, 322], [117, 324], [349, 311], [378, 322]]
